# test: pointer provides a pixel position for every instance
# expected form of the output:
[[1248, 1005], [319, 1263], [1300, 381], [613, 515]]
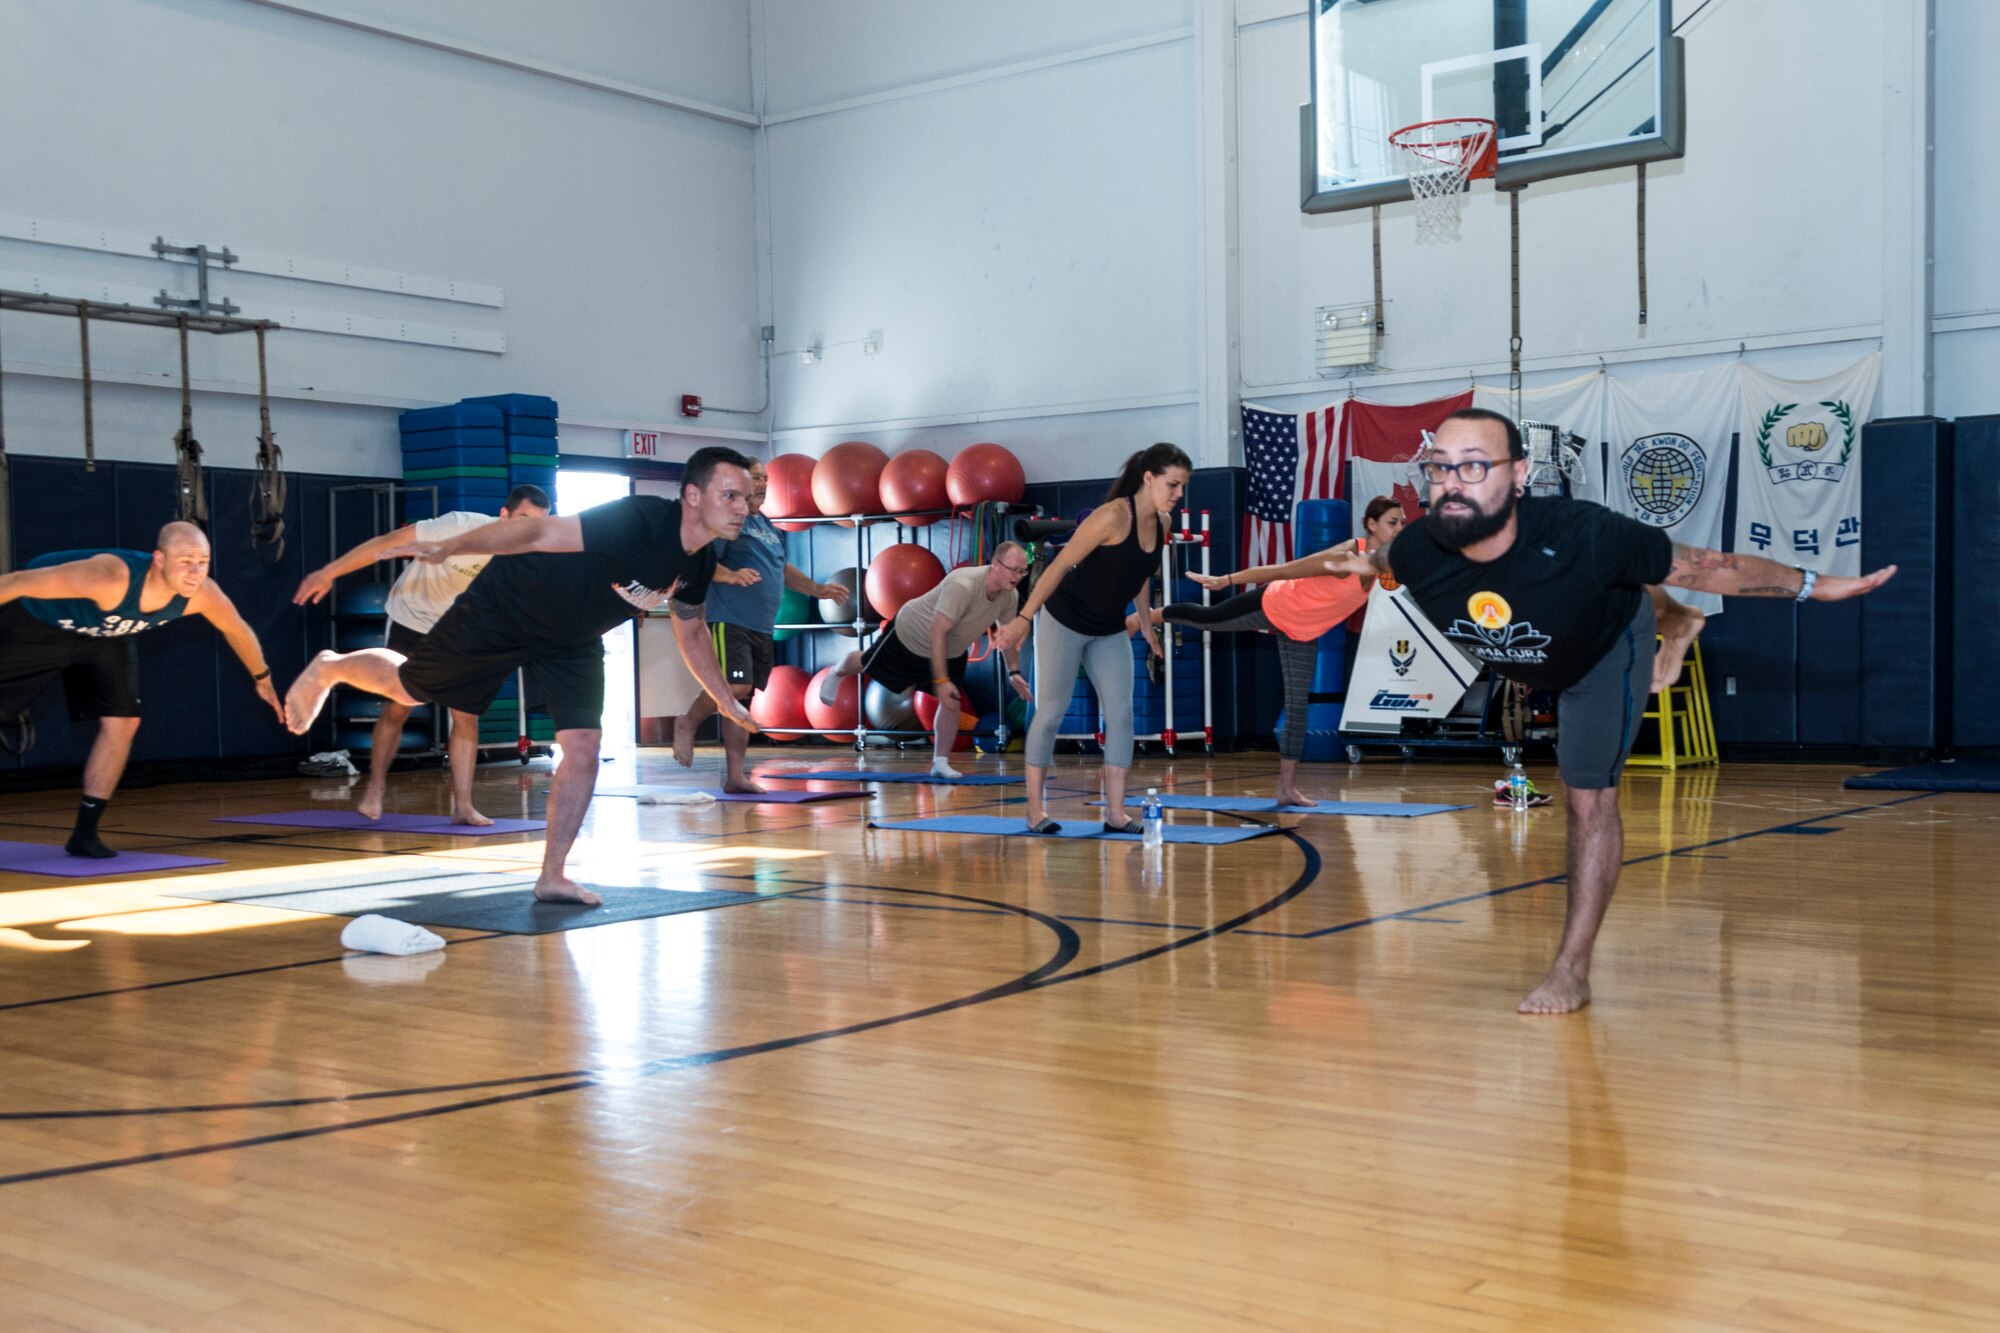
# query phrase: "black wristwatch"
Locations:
[[1017, 672]]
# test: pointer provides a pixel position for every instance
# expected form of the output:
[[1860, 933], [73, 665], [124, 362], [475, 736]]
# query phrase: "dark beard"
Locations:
[[1455, 534]]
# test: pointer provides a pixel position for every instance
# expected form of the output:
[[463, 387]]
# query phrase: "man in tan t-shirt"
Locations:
[[422, 593], [930, 637]]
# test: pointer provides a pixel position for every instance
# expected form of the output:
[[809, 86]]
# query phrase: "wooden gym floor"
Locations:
[[940, 1082]]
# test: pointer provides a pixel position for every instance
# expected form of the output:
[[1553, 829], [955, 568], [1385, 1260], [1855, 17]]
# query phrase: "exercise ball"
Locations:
[[983, 472], [841, 714], [903, 573], [789, 490], [794, 608], [838, 612], [848, 480], [914, 479], [926, 709], [781, 703], [887, 709]]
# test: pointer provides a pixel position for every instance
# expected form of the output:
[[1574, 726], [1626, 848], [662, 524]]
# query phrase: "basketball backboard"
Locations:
[[1574, 85]]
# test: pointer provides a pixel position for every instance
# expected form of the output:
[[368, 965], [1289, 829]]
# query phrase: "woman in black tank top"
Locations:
[[1108, 563]]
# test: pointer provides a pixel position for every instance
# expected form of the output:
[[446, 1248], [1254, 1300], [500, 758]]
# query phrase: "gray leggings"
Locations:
[[1297, 658], [1107, 660]]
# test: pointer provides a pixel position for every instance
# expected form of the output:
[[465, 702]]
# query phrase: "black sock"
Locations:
[[83, 841]]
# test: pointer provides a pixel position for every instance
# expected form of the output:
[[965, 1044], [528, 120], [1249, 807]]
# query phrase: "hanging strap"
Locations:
[[1514, 342], [1642, 244], [187, 449], [83, 335], [267, 492]]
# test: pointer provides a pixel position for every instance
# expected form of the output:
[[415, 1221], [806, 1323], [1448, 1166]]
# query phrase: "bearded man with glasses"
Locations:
[[928, 642], [1559, 595]]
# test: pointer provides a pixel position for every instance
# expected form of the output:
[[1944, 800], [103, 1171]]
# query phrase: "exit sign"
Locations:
[[642, 444]]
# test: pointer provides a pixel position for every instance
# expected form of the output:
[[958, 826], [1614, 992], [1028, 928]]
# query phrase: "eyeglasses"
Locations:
[[1012, 569], [1472, 471]]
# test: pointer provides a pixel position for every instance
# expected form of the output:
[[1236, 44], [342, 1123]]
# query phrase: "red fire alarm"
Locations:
[[690, 405]]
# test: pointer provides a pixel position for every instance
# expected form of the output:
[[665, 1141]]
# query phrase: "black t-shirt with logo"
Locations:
[[631, 547], [1546, 611]]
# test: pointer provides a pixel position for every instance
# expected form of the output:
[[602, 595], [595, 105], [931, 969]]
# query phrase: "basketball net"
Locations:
[[1440, 157]]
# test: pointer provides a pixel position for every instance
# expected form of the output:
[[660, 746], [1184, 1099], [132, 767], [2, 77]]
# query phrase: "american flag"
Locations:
[[1291, 458]]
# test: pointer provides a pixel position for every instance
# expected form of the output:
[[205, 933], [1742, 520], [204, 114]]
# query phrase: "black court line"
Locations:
[[1048, 974], [1789, 826]]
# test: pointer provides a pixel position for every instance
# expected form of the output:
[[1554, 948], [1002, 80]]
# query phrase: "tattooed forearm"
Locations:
[[1704, 570]]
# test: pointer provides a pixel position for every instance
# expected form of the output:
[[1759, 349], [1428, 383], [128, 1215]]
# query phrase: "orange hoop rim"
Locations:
[[1481, 145]]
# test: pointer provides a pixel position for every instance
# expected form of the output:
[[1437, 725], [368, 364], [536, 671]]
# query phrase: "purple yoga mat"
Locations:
[[388, 823], [47, 858]]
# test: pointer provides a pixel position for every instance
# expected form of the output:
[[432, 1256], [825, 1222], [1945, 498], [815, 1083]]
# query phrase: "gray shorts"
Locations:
[[1597, 719]]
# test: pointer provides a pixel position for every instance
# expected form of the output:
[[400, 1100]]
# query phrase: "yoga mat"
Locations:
[[388, 823], [473, 901], [48, 858], [1075, 829], [1265, 805], [768, 798], [878, 775], [1962, 775]]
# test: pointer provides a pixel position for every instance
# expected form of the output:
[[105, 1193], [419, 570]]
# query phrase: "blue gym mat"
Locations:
[[1264, 805], [1957, 775], [1005, 826], [471, 901], [878, 775]]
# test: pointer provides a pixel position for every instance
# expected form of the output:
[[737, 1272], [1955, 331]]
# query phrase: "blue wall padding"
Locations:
[[1904, 638], [1975, 649]]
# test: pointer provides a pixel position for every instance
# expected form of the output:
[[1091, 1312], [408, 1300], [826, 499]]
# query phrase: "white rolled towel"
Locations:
[[677, 798], [381, 934]]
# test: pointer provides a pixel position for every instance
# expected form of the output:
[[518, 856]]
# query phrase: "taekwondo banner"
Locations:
[[1670, 438], [1378, 442], [1290, 457], [1575, 405], [1798, 473]]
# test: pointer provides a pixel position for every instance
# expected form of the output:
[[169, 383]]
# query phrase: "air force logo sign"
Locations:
[[1664, 475]]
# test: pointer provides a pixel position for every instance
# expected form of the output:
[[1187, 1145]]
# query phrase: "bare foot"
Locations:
[[1677, 633], [563, 889], [683, 742], [1295, 797], [308, 693], [1561, 992], [744, 787], [370, 804], [469, 817]]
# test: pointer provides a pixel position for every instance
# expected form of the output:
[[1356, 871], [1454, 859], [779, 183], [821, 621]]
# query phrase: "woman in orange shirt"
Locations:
[[1296, 604]]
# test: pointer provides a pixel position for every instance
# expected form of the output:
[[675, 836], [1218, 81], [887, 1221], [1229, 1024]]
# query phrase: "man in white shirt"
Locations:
[[421, 594]]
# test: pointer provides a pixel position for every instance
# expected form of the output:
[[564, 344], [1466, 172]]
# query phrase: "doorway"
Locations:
[[576, 491]]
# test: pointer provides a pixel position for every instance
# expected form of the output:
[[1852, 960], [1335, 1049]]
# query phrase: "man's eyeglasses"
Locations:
[[1472, 471], [1020, 570]]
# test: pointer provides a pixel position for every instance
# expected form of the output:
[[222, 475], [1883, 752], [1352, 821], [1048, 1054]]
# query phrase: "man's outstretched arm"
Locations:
[[1731, 575]]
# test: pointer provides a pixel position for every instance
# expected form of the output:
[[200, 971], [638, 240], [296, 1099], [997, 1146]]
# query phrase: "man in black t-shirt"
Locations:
[[560, 585], [1554, 593]]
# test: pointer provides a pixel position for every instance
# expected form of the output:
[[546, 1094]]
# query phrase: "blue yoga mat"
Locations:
[[1959, 775], [1073, 829], [1264, 805], [878, 775]]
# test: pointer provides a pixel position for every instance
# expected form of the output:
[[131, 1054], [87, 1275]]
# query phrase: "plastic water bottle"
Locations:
[[1152, 819], [1517, 787]]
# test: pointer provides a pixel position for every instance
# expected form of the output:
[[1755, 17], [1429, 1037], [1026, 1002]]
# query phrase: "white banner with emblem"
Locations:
[[1670, 457], [1798, 472], [1402, 668]]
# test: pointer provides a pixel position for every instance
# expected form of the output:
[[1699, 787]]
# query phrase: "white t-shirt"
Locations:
[[962, 597], [425, 591]]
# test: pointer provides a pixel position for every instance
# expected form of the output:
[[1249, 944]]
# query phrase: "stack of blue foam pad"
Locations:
[[471, 454], [529, 421]]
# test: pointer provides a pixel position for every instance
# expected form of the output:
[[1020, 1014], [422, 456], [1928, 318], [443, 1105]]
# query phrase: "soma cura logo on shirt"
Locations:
[[1489, 610]]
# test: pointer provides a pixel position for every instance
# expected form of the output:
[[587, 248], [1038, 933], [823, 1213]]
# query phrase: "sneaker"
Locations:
[[1536, 796]]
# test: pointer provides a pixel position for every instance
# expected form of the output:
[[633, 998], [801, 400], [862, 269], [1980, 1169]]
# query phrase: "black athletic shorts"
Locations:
[[897, 668], [467, 658], [746, 655], [1597, 719], [402, 639], [100, 676]]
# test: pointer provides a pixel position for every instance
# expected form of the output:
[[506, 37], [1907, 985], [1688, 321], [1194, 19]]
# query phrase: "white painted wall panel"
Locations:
[[818, 52], [1022, 244]]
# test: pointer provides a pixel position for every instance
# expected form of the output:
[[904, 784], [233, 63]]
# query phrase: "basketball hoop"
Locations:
[[1440, 157]]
